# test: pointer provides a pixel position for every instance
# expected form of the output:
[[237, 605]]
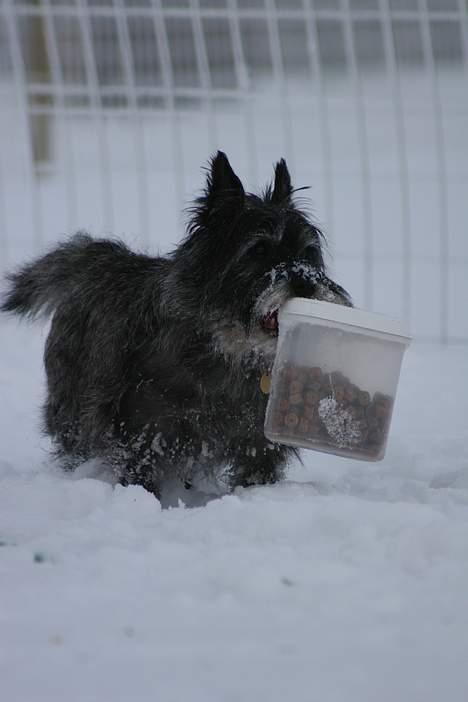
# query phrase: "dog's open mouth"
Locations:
[[270, 323]]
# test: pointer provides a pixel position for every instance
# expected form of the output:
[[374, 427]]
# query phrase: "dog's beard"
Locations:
[[255, 343]]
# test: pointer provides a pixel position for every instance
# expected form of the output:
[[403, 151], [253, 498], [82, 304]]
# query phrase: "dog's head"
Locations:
[[244, 256]]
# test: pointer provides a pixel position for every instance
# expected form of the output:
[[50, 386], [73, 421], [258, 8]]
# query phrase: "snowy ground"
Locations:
[[348, 582]]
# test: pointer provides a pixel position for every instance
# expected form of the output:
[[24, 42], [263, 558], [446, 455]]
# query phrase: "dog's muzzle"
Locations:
[[312, 283], [297, 280]]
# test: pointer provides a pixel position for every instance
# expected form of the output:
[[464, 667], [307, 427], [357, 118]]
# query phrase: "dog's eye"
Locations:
[[259, 250]]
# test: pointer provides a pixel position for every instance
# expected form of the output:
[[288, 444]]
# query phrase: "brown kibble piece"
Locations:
[[314, 385], [372, 450], [357, 413], [290, 373], [381, 411], [315, 374], [311, 397], [283, 404], [375, 436], [338, 393], [363, 429], [350, 392], [337, 378], [296, 399], [295, 387], [291, 420], [277, 420], [363, 398], [383, 400]]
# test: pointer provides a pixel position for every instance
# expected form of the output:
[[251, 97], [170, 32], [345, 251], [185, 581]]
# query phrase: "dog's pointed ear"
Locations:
[[282, 189], [222, 181]]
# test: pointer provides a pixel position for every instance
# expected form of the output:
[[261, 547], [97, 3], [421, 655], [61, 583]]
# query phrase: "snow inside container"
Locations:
[[334, 379]]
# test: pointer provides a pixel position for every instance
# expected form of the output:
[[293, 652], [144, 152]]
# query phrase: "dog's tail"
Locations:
[[39, 287]]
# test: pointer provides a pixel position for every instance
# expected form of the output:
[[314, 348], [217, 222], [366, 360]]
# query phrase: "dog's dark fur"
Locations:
[[154, 363]]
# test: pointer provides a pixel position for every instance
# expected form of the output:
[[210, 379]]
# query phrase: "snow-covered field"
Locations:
[[348, 582]]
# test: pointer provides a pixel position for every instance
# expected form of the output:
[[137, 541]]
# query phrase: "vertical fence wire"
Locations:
[[19, 76], [368, 257], [279, 80], [324, 117], [98, 113], [444, 224], [243, 82], [135, 117], [168, 82], [463, 12], [402, 155], [57, 78], [4, 238], [204, 72]]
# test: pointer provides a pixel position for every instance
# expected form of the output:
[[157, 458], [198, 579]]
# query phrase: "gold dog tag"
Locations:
[[265, 383]]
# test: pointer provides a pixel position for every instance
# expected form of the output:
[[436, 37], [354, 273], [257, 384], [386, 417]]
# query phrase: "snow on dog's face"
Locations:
[[248, 254]]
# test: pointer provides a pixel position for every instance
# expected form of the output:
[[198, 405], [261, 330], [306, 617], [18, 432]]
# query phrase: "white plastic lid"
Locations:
[[340, 314]]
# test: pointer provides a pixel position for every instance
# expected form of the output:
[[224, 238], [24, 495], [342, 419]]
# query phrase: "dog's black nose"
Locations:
[[315, 284], [305, 280], [304, 288]]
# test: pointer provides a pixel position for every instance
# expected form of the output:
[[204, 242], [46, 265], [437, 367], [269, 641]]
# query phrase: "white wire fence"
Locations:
[[108, 108]]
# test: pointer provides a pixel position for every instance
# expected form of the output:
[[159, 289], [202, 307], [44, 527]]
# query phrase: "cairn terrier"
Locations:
[[154, 364]]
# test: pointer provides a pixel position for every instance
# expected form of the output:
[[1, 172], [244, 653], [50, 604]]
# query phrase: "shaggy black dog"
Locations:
[[154, 364]]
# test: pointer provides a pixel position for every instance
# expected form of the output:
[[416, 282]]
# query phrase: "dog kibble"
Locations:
[[291, 373], [312, 397], [329, 409], [278, 419], [291, 420], [295, 387], [363, 398], [338, 392], [350, 393], [296, 399]]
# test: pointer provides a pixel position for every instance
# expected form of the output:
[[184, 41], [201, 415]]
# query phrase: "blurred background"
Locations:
[[109, 109]]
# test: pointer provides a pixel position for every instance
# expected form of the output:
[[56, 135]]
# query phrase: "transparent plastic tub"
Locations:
[[334, 379]]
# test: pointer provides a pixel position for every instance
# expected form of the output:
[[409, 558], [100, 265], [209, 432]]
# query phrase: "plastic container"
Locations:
[[334, 379]]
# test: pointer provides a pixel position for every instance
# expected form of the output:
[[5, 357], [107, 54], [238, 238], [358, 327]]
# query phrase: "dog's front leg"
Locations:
[[258, 463]]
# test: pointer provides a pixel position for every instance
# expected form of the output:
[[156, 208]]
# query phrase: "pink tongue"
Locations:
[[270, 321]]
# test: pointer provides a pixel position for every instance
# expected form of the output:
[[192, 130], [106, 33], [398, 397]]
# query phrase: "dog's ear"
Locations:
[[222, 181], [282, 189]]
